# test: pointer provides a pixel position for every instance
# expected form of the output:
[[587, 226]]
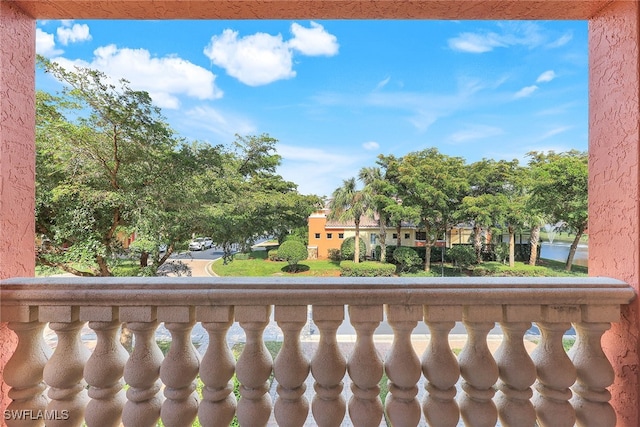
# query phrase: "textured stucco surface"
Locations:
[[614, 217], [614, 117], [317, 9], [17, 158]]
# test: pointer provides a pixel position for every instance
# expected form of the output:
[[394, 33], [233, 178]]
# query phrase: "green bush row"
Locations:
[[366, 269]]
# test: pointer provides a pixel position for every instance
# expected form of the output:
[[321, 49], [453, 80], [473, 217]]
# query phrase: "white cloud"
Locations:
[[165, 78], [527, 34], [475, 132], [561, 41], [73, 34], [46, 44], [316, 171], [476, 43], [255, 60], [261, 58], [207, 120], [525, 91], [547, 76], [554, 132], [383, 83], [314, 41], [370, 145]]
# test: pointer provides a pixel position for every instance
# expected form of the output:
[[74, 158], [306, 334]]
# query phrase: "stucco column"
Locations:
[[614, 187], [17, 158]]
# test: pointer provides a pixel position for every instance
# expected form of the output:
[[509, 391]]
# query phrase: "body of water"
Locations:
[[559, 251]]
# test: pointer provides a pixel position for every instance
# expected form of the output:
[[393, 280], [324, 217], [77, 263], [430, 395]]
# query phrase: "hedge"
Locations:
[[366, 269]]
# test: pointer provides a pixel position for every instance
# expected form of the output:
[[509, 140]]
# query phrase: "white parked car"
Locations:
[[208, 242], [197, 244]]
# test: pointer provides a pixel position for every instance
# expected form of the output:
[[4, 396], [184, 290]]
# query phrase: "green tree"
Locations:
[[350, 204], [293, 252], [560, 190], [250, 200], [102, 154], [434, 184], [497, 197], [382, 195], [397, 212]]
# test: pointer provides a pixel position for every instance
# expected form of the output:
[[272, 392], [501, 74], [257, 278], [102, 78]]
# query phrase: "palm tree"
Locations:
[[378, 186], [350, 204]]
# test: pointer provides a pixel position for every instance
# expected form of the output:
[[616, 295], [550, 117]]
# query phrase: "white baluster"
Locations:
[[328, 367], [142, 370], [64, 371], [254, 367], [517, 375], [594, 371], [556, 374], [365, 368], [23, 372], [403, 367], [478, 368], [218, 404], [104, 369], [440, 367], [179, 368], [291, 368]]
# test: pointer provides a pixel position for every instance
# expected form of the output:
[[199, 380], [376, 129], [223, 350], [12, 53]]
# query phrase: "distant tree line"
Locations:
[[436, 192], [108, 166]]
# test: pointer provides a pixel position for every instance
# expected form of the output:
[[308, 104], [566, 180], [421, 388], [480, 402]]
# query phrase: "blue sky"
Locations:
[[337, 93]]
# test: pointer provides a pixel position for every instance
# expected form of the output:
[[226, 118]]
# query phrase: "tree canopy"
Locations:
[[109, 168]]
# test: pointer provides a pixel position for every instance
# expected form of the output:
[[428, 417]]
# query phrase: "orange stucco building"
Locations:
[[325, 234], [614, 127]]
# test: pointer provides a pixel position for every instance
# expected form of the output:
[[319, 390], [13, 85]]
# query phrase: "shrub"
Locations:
[[273, 255], [348, 248], [335, 255], [366, 269], [462, 255], [293, 251], [407, 259], [501, 251]]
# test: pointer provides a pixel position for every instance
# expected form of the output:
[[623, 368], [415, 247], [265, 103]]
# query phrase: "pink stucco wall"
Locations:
[[17, 157], [614, 197], [614, 119]]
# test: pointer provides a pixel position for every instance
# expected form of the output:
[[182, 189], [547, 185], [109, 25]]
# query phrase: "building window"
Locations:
[[372, 238], [395, 235], [340, 235], [317, 235], [406, 235], [329, 235], [421, 235]]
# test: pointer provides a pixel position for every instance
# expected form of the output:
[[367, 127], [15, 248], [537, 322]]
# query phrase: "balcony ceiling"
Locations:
[[317, 9]]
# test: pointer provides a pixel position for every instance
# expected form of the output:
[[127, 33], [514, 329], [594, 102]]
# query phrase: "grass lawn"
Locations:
[[258, 266]]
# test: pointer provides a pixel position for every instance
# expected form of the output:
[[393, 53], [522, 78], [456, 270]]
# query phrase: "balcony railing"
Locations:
[[108, 386]]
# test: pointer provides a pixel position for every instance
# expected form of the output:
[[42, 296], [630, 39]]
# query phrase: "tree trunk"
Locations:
[[144, 259], [398, 238], [102, 266], [477, 242], [534, 240], [383, 240], [427, 249], [512, 247], [572, 250], [356, 246]]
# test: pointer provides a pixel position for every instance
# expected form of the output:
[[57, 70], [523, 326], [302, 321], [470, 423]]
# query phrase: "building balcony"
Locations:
[[515, 385]]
